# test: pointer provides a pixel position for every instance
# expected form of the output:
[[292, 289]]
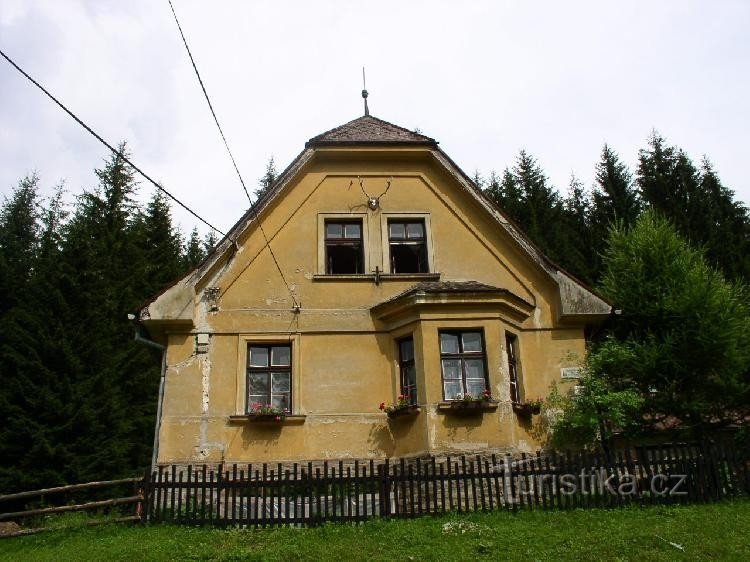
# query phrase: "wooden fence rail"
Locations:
[[20, 499], [307, 494]]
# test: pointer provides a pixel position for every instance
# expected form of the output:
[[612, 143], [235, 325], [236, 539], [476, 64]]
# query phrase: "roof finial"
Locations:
[[364, 91]]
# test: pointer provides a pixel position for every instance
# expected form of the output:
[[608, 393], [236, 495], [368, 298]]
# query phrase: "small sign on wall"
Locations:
[[570, 372]]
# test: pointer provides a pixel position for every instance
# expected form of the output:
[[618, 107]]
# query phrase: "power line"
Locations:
[[109, 146], [211, 107], [234, 163]]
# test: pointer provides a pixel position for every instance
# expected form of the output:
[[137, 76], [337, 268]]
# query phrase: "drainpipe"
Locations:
[[146, 341]]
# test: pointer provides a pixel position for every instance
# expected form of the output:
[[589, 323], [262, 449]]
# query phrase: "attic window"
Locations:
[[408, 246], [344, 248]]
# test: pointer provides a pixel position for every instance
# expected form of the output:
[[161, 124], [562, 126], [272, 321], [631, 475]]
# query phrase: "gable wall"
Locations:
[[346, 359]]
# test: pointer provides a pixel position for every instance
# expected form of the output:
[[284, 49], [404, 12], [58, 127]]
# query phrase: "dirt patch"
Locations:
[[9, 527]]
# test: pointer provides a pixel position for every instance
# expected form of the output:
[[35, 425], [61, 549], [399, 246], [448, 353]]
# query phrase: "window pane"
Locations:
[[448, 343], [451, 368], [279, 382], [254, 399], [396, 230], [257, 383], [415, 230], [410, 376], [280, 401], [334, 230], [472, 341], [474, 369], [475, 387], [344, 259], [452, 389], [280, 356], [407, 350], [352, 230], [408, 257], [258, 357]]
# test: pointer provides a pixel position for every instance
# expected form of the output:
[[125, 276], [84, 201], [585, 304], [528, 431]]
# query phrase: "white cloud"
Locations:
[[484, 78]]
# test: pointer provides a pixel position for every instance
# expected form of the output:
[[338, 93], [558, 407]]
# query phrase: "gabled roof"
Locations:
[[369, 130], [577, 301]]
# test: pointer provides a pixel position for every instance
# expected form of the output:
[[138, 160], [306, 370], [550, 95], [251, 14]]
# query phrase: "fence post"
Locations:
[[384, 494], [143, 487]]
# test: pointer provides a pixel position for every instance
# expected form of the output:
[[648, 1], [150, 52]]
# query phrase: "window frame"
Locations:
[[405, 364], [343, 217], [514, 378], [269, 370], [385, 219], [462, 356], [406, 241]]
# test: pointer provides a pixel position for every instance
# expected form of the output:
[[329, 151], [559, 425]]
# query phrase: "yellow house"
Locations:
[[372, 268]]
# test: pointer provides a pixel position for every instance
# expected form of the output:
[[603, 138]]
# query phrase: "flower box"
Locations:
[[407, 411], [527, 409], [266, 418], [467, 407]]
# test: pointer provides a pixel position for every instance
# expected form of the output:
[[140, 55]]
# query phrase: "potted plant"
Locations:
[[401, 407], [470, 403], [528, 407], [265, 412]]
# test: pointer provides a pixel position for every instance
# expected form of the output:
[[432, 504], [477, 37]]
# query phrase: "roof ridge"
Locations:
[[370, 129]]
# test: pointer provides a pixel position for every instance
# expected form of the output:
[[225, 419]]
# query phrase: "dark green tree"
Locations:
[[614, 200], [19, 231], [161, 245], [267, 179], [577, 250], [194, 251], [678, 351]]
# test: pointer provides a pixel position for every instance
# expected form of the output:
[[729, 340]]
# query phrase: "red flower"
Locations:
[[382, 405], [278, 418]]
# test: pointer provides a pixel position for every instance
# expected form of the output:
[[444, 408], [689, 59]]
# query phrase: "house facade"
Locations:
[[372, 268]]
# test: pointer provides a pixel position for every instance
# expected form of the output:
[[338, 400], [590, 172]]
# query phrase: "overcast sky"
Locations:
[[484, 78]]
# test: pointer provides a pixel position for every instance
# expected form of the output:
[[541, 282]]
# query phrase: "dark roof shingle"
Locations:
[[369, 130], [446, 287]]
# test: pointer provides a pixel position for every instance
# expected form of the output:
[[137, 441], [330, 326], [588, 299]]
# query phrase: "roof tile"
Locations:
[[369, 130]]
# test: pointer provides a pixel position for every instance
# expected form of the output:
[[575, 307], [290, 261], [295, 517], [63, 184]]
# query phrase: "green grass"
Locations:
[[708, 532]]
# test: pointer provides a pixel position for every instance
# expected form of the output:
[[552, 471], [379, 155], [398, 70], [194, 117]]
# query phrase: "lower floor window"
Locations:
[[462, 360], [408, 370], [269, 376]]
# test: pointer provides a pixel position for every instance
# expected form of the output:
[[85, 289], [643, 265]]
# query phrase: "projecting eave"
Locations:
[[578, 304], [173, 306], [417, 302]]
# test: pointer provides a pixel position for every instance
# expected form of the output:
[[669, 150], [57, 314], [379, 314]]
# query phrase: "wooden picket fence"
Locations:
[[48, 502], [309, 494]]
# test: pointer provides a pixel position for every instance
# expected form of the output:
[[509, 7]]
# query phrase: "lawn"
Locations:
[[717, 531]]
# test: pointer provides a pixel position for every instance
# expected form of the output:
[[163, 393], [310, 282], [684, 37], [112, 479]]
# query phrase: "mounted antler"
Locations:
[[374, 202]]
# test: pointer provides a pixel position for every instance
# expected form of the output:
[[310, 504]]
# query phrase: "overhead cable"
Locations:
[[234, 163], [109, 146]]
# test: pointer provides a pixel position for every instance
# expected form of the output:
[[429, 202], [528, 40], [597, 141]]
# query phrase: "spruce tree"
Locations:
[[526, 196], [614, 201], [695, 201], [578, 252], [19, 230], [193, 252], [267, 179]]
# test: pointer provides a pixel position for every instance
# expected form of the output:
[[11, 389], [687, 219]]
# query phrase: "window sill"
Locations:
[[261, 420], [407, 412], [461, 408], [371, 277]]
